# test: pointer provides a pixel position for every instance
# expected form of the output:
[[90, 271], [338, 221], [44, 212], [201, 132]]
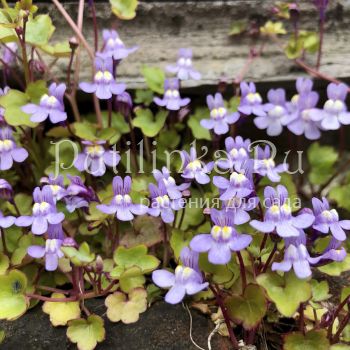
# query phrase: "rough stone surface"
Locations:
[[161, 327], [161, 28]]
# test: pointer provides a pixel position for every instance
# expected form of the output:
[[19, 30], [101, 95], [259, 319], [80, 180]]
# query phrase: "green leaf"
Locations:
[[61, 49], [322, 160], [345, 293], [154, 78], [124, 9], [340, 347], [4, 263], [2, 335], [144, 96], [336, 268], [286, 292], [35, 90], [119, 308], [149, 124], [341, 195], [193, 123], [129, 278], [13, 302], [22, 246], [86, 333], [178, 240], [135, 256], [61, 312], [169, 139], [85, 130], [147, 230], [248, 309], [238, 27], [81, 257], [39, 30], [13, 102], [8, 23], [23, 202], [320, 290], [315, 339]]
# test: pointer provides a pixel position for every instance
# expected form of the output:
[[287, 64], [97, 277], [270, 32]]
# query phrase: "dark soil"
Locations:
[[161, 327]]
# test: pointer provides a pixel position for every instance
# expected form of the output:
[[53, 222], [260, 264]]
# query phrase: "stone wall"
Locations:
[[161, 27]]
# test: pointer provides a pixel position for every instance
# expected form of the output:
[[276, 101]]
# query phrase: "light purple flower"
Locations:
[[171, 99], [187, 278], [9, 151], [300, 120], [114, 47], [123, 103], [276, 113], [278, 215], [297, 257], [193, 168], [121, 205], [327, 219], [238, 208], [104, 84], [334, 111], [44, 212], [161, 204], [265, 165], [9, 54], [237, 151], [78, 195], [251, 101], [334, 251], [52, 253], [219, 117], [6, 221], [51, 105], [222, 240], [56, 185], [184, 68], [239, 185], [174, 191], [6, 191], [94, 158]]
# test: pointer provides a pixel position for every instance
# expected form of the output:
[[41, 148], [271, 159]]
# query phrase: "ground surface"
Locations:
[[162, 327]]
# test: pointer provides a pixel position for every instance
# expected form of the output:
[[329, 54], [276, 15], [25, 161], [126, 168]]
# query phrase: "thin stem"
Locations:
[[165, 246], [22, 40], [301, 318], [342, 325], [226, 316], [269, 259], [133, 143], [110, 110], [182, 217], [242, 271], [3, 240], [94, 21], [336, 313], [320, 46]]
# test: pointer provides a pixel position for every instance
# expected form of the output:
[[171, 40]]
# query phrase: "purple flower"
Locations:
[[222, 240], [278, 215], [183, 68], [78, 195], [121, 205], [52, 253], [56, 185], [51, 105], [219, 117], [9, 151], [239, 185], [173, 190], [265, 165], [334, 111], [277, 113], [321, 6], [123, 103], [94, 158], [114, 47], [171, 99], [237, 151], [334, 251], [6, 221], [193, 168], [251, 101], [9, 54], [6, 191], [187, 278], [44, 212], [238, 207], [161, 204], [327, 219], [297, 257], [56, 232], [300, 120], [104, 85]]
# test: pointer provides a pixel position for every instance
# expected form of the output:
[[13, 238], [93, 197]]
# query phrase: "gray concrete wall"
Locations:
[[160, 28]]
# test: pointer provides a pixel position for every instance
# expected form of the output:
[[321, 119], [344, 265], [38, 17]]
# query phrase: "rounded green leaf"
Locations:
[[248, 309], [149, 124], [286, 292], [13, 302], [124, 9], [336, 268], [61, 312], [154, 78], [86, 333], [315, 339], [4, 263]]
